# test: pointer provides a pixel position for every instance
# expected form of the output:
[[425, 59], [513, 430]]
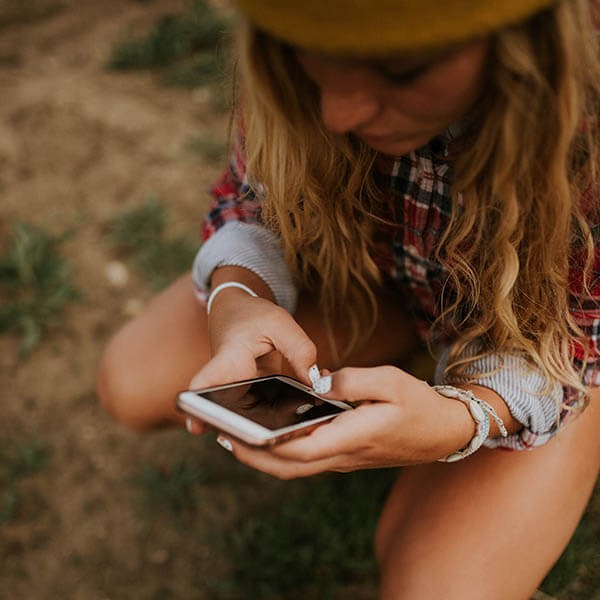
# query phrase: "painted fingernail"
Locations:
[[314, 374], [224, 443], [189, 424], [323, 385]]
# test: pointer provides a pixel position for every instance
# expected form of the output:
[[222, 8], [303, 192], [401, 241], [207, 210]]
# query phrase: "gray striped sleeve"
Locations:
[[253, 247], [520, 385]]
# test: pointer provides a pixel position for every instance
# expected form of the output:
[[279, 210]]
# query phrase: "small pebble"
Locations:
[[201, 95], [117, 274], [133, 307], [159, 557]]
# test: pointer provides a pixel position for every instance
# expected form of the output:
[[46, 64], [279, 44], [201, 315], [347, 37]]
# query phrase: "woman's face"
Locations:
[[398, 104]]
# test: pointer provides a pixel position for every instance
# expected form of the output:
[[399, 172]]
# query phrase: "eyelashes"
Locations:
[[403, 78]]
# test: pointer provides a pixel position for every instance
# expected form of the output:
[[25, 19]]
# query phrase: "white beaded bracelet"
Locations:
[[227, 284], [481, 412]]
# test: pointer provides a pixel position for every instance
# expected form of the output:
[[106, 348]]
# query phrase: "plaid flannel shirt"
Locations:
[[417, 188]]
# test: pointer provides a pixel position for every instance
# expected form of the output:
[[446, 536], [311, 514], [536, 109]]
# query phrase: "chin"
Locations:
[[397, 147]]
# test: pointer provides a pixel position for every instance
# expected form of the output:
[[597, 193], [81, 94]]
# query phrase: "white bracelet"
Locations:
[[227, 284], [481, 412]]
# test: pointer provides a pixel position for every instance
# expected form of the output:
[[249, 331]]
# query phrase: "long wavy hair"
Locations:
[[517, 213]]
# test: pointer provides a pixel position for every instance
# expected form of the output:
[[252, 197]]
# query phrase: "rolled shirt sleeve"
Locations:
[[523, 388], [234, 235], [250, 246]]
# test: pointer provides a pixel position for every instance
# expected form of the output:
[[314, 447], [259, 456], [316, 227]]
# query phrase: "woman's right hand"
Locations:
[[251, 336]]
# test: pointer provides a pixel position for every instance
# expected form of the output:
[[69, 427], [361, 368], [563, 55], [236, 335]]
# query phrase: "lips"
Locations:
[[374, 137], [394, 145], [377, 139]]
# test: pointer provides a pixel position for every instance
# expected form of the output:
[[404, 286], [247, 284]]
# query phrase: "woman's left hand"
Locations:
[[401, 420]]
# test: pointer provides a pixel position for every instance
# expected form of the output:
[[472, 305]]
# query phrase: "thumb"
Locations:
[[385, 383]]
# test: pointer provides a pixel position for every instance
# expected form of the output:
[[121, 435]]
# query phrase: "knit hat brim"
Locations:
[[383, 26]]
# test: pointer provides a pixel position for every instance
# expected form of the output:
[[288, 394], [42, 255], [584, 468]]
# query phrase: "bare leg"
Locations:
[[152, 357], [492, 526], [156, 354]]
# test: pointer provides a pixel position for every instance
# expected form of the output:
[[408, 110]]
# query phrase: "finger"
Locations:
[[195, 426], [297, 348], [264, 460], [226, 366], [385, 383], [344, 435]]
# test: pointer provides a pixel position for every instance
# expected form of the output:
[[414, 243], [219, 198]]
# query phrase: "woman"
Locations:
[[405, 171]]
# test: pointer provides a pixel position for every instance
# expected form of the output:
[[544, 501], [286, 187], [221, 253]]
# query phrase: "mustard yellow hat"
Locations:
[[383, 26]]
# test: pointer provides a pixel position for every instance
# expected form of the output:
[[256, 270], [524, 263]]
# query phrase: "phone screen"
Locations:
[[272, 403]]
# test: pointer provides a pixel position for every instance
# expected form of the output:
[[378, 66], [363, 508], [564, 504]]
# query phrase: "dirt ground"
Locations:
[[79, 145]]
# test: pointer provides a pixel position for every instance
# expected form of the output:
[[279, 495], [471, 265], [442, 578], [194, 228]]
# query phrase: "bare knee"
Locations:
[[382, 538], [135, 385], [424, 581], [394, 513], [153, 357], [409, 572], [416, 563], [119, 388]]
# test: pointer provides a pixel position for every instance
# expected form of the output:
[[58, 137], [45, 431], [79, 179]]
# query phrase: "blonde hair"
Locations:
[[516, 213]]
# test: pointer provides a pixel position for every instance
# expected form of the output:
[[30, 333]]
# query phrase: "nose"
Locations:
[[345, 111]]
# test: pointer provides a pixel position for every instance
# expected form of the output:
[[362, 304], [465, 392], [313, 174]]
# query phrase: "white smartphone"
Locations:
[[261, 411]]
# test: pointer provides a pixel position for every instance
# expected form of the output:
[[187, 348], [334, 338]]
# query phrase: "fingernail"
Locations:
[[224, 443], [314, 374], [189, 424], [322, 385]]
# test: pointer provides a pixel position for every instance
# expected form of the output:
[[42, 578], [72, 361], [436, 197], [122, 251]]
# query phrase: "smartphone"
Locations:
[[261, 411]]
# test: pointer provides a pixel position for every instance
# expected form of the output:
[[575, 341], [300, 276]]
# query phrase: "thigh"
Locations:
[[156, 354], [393, 341], [489, 527]]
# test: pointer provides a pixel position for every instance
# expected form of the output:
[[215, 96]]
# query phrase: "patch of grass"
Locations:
[[170, 489], [18, 460], [306, 544], [35, 285], [208, 148], [173, 37], [317, 536], [204, 68], [577, 572], [186, 47], [9, 504], [140, 234]]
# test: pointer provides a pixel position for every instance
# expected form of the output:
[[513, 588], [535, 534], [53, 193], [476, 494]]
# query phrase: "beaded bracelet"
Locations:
[[480, 411], [223, 286]]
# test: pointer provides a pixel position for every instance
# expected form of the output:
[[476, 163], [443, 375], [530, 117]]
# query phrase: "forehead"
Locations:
[[408, 58]]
